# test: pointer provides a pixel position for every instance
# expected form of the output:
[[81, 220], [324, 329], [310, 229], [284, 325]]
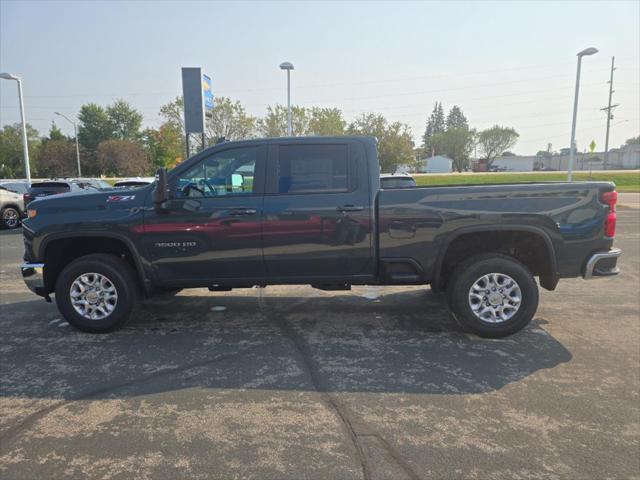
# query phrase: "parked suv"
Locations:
[[11, 207], [396, 180], [49, 187]]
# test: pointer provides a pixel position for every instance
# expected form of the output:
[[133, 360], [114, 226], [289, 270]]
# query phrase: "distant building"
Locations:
[[435, 164], [515, 163], [627, 157]]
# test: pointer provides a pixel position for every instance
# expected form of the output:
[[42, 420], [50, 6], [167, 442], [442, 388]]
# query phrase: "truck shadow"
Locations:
[[403, 342]]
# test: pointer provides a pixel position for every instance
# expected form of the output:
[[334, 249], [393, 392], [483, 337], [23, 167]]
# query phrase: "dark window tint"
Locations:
[[312, 168], [53, 186]]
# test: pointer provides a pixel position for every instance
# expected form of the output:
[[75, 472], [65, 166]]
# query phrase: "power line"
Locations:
[[609, 110]]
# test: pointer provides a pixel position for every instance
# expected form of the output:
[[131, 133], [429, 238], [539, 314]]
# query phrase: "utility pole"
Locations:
[[609, 115]]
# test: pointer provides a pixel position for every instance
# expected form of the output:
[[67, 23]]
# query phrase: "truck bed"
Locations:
[[419, 223]]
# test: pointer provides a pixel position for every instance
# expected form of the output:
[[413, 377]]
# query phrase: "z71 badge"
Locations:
[[120, 198]]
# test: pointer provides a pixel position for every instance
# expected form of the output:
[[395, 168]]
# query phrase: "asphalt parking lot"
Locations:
[[292, 382]]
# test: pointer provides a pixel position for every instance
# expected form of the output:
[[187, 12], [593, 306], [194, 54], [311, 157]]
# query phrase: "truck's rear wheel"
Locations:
[[96, 293], [493, 295]]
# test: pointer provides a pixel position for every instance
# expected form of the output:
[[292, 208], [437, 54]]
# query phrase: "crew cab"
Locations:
[[311, 211]]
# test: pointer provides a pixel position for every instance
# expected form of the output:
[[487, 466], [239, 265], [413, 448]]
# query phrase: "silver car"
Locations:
[[12, 203]]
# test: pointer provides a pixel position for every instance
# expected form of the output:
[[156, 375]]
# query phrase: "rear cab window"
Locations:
[[316, 168]]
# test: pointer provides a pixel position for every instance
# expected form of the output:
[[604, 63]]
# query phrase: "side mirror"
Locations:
[[237, 180], [160, 192]]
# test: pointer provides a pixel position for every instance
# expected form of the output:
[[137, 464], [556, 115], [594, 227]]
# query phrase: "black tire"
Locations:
[[465, 276], [121, 276], [10, 218]]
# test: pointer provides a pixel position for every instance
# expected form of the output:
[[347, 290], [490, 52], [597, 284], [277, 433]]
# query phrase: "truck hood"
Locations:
[[91, 200]]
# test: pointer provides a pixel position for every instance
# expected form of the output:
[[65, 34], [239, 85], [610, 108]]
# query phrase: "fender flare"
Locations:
[[140, 268], [442, 250]]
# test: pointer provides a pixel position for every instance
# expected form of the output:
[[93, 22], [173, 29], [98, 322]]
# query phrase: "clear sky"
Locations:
[[511, 63]]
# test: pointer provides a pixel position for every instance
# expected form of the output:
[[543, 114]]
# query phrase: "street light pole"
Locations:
[[288, 67], [75, 132], [25, 145], [572, 146]]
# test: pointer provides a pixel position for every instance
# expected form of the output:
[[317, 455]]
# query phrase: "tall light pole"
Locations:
[[75, 132], [572, 146], [25, 145], [288, 67]]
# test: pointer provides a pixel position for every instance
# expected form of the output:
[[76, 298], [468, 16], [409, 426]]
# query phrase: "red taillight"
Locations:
[[610, 198], [610, 224], [27, 197]]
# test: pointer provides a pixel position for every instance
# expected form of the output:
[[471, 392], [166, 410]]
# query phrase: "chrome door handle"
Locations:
[[349, 208], [243, 211]]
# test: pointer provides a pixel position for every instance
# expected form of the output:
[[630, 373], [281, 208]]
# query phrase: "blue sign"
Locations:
[[207, 92]]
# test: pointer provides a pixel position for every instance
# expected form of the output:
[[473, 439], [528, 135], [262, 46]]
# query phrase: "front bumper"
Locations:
[[602, 264], [33, 276]]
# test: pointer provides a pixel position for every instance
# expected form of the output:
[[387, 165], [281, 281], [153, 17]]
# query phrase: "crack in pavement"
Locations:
[[310, 365], [31, 419]]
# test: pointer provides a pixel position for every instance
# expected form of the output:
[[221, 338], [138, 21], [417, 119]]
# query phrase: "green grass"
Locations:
[[625, 181]]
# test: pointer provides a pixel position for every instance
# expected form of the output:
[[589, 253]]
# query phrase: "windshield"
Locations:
[[15, 187]]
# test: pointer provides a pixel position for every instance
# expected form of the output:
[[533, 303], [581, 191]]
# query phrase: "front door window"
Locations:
[[230, 172]]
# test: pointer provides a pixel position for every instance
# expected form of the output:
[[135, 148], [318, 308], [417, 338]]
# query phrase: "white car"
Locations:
[[134, 182], [11, 207]]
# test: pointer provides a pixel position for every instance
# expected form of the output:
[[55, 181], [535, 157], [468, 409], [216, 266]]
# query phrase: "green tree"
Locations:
[[456, 144], [173, 113], [435, 124], [326, 122], [94, 126], [11, 152], [274, 123], [124, 121], [633, 140], [122, 158], [395, 143], [456, 119], [495, 140], [230, 120], [55, 133], [164, 146]]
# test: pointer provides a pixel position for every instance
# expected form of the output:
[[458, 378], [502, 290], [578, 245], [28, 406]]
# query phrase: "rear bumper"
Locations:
[[602, 264], [33, 276]]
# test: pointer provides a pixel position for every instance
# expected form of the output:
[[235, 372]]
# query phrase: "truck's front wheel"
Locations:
[[493, 295], [96, 293]]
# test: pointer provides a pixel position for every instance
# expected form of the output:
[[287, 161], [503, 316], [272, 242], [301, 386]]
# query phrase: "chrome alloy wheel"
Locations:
[[93, 296], [495, 298], [10, 218]]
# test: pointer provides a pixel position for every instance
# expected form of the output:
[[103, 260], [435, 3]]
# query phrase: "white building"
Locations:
[[436, 164], [515, 163], [627, 157]]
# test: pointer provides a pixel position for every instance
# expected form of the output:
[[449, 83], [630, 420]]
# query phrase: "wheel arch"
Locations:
[[547, 271], [59, 250]]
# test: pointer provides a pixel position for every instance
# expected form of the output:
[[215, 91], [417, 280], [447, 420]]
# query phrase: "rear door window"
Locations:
[[313, 169], [50, 187]]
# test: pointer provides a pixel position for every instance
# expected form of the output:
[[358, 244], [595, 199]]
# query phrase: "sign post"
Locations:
[[197, 93]]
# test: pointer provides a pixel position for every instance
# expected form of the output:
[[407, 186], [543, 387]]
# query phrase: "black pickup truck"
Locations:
[[311, 211]]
